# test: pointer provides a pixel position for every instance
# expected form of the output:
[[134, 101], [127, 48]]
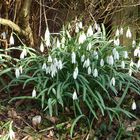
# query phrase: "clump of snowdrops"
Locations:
[[83, 71]]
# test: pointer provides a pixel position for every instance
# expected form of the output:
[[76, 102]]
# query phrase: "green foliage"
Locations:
[[83, 72]]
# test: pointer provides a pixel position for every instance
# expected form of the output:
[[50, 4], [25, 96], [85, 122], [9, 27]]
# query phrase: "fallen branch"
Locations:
[[12, 25]]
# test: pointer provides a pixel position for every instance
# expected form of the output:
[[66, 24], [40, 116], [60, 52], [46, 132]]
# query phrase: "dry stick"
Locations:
[[52, 127], [40, 19]]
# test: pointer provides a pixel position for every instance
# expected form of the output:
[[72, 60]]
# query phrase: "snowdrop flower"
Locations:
[[89, 31], [41, 47], [34, 93], [125, 54], [128, 33], [58, 43], [86, 63], [73, 58], [11, 134], [134, 105], [130, 72], [76, 28], [63, 41], [11, 41], [112, 82], [75, 73], [110, 60], [53, 70], [48, 70], [122, 64], [47, 37], [133, 44], [44, 66], [136, 52], [95, 73], [121, 31], [17, 72], [138, 64], [102, 63], [49, 59], [23, 54], [74, 97], [116, 55], [96, 25], [80, 24], [3, 35], [82, 38], [20, 69], [89, 47], [131, 63], [95, 54], [117, 32], [117, 42], [60, 65], [89, 70], [82, 58]]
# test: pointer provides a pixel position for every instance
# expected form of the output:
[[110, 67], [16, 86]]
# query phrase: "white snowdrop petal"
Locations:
[[49, 59], [95, 73], [134, 105], [73, 57], [89, 31], [102, 63], [41, 47], [117, 32], [74, 97], [122, 64], [17, 72], [47, 37], [128, 33], [89, 70], [34, 93], [11, 41]]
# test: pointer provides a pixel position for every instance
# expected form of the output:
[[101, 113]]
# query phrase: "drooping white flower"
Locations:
[[11, 41], [117, 32], [75, 73], [60, 65], [133, 107], [41, 47], [89, 31], [122, 64], [11, 134], [44, 66], [133, 44], [57, 43], [34, 93], [83, 58], [95, 73], [76, 28], [131, 63], [96, 25], [128, 33], [95, 54], [102, 63], [20, 69], [80, 24], [112, 82], [117, 42], [17, 72], [138, 64], [89, 70], [125, 54], [86, 63], [82, 38], [121, 31], [3, 34], [73, 58], [74, 96], [47, 37], [49, 59], [53, 70], [116, 56], [130, 71], [23, 54], [136, 52], [63, 41], [110, 60], [89, 47]]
